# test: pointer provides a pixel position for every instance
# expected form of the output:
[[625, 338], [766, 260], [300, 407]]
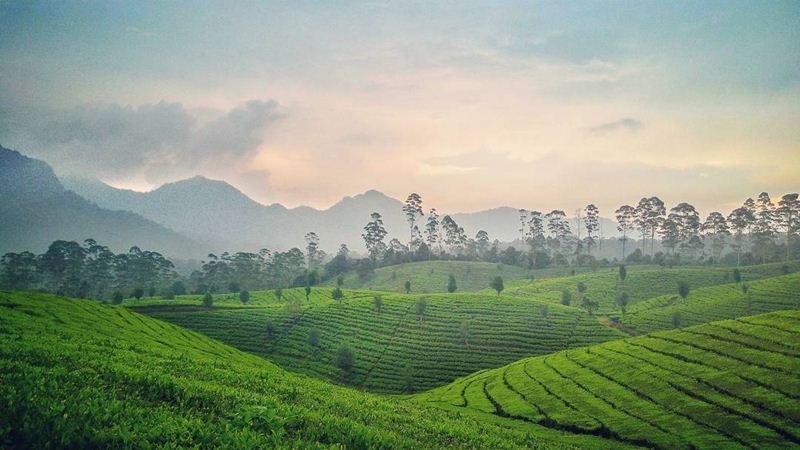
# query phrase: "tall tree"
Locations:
[[788, 214], [312, 250], [687, 222], [373, 235], [656, 212], [523, 222], [412, 209], [482, 243], [764, 229], [625, 222], [454, 236], [558, 227], [432, 229], [591, 221], [641, 220], [740, 220], [716, 229]]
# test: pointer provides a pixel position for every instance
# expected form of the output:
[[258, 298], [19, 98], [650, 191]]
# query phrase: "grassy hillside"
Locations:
[[395, 349], [258, 299], [707, 304], [641, 283], [730, 384], [78, 374], [432, 276]]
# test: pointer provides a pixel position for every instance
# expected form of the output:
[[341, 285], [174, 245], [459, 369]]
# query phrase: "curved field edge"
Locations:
[[75, 373], [397, 349], [723, 384]]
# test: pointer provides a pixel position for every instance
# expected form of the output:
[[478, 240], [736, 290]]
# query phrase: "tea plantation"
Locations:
[[728, 384], [398, 348], [79, 374], [641, 282]]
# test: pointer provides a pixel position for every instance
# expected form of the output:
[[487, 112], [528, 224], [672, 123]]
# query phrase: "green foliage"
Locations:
[[345, 359], [420, 307], [129, 381], [497, 284], [676, 319], [116, 298], [208, 300], [313, 337], [279, 294], [737, 275], [308, 292], [407, 286], [501, 332], [337, 294], [566, 297], [244, 296], [451, 283], [138, 293], [581, 287], [683, 289], [464, 332], [656, 391], [377, 303], [623, 272], [269, 330], [622, 301], [339, 281]]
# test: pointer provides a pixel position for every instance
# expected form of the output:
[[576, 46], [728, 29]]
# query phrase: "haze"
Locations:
[[474, 105]]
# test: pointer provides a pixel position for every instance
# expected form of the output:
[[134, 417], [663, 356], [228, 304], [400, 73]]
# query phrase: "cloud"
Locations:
[[158, 141], [443, 169], [626, 124]]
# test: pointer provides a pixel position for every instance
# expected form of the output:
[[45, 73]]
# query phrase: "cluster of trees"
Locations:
[[752, 232], [90, 270]]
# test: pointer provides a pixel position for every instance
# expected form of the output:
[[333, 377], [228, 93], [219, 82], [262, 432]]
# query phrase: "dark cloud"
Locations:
[[627, 124], [158, 140]]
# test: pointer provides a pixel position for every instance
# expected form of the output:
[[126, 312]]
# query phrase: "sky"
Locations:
[[536, 105]]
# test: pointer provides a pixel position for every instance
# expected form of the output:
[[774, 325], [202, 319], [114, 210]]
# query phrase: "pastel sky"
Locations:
[[538, 105]]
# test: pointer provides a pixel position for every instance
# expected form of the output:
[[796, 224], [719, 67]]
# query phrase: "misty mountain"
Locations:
[[223, 218], [36, 209]]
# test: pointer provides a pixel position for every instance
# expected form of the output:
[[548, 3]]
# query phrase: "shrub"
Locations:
[[451, 283], [623, 272], [683, 289], [377, 303], [737, 275], [269, 329], [407, 286], [138, 293], [244, 296], [313, 337], [116, 298], [208, 300], [566, 297], [279, 294], [497, 284], [345, 359], [337, 294], [676, 319], [421, 305]]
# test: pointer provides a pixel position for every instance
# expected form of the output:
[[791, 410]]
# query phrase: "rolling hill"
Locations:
[[730, 384], [79, 374], [36, 210], [641, 283], [397, 349]]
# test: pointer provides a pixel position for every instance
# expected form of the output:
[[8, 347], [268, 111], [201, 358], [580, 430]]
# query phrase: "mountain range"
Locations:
[[192, 217]]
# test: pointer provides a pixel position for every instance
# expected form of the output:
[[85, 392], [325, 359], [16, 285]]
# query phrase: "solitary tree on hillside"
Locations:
[[622, 301], [279, 294], [421, 305], [623, 272], [589, 305], [208, 300], [676, 319], [464, 333], [407, 286], [337, 293], [116, 298], [544, 310], [269, 330], [625, 217], [313, 337], [737, 275], [581, 286], [345, 360], [340, 281], [138, 293], [683, 289], [566, 297], [308, 292], [497, 284], [377, 303], [451, 283], [244, 296], [412, 209]]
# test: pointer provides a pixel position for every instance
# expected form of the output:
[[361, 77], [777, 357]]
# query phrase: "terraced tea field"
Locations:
[[728, 384], [318, 295], [79, 374], [708, 304], [396, 350], [432, 276], [641, 283]]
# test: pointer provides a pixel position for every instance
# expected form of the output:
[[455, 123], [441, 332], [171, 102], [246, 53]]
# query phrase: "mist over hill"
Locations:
[[36, 209], [218, 214]]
